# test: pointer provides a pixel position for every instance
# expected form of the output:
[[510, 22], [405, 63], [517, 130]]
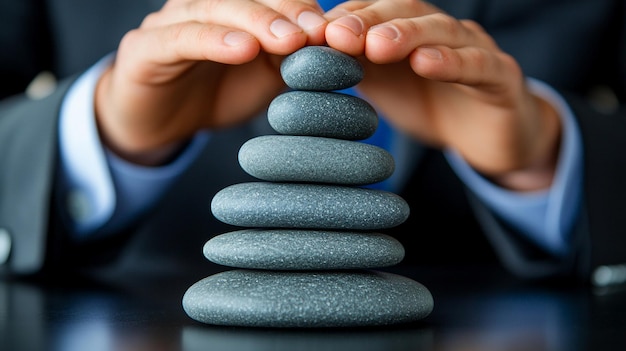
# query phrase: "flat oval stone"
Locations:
[[306, 299], [313, 159], [320, 68], [325, 114], [284, 205], [293, 249]]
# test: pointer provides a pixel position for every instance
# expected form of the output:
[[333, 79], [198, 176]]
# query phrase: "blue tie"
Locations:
[[383, 135], [329, 4]]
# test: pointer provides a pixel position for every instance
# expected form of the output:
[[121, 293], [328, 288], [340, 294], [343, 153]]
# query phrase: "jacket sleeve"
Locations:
[[604, 182], [588, 54], [28, 149]]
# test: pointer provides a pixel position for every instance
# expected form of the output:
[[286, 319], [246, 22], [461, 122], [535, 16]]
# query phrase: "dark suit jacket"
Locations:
[[573, 45]]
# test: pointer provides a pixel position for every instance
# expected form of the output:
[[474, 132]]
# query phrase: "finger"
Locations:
[[184, 43], [347, 33], [306, 14], [346, 8], [276, 29], [394, 40], [207, 11], [471, 66]]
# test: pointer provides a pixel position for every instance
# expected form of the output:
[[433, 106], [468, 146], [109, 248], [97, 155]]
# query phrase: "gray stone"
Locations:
[[293, 249], [282, 205], [325, 114], [320, 68], [313, 159], [306, 299]]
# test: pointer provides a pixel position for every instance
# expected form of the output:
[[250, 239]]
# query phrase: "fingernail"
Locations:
[[430, 53], [236, 38], [309, 20], [351, 22], [388, 31], [281, 28]]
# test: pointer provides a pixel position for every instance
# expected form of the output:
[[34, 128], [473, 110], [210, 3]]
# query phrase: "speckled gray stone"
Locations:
[[306, 299], [313, 159], [320, 68], [293, 249], [285, 205], [326, 114]]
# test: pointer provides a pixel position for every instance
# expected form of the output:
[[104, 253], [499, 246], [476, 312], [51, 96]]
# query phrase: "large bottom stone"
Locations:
[[307, 299]]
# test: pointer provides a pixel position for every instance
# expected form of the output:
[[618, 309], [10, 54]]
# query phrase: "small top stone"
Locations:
[[320, 68]]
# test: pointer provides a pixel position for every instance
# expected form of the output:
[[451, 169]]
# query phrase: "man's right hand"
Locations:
[[198, 64]]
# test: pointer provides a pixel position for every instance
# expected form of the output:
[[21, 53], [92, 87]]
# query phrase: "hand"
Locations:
[[198, 64], [446, 82]]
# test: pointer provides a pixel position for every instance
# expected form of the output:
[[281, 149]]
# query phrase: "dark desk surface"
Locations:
[[475, 309]]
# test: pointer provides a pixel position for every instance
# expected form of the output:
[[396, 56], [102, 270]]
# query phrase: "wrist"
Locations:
[[119, 138], [150, 158], [539, 172]]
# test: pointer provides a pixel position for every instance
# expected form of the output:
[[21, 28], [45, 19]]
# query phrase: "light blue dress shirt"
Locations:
[[102, 190]]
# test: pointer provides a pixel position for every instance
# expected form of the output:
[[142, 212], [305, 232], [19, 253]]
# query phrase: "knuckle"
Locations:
[[412, 7], [202, 10], [130, 38], [480, 61], [176, 36], [263, 15], [472, 25], [511, 64], [286, 6], [444, 19], [415, 6], [478, 31], [151, 20], [196, 9], [447, 23]]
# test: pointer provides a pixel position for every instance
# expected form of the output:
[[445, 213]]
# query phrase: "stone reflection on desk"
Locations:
[[315, 228]]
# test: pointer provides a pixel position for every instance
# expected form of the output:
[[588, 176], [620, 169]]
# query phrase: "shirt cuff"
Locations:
[[99, 188], [139, 187], [545, 217]]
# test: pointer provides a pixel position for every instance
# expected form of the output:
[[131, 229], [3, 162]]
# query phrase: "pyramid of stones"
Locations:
[[307, 256]]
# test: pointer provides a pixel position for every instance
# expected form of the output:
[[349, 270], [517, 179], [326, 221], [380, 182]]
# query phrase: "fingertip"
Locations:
[[429, 54], [310, 21], [351, 23], [314, 25], [240, 47], [283, 39], [384, 44], [346, 34], [385, 31], [282, 28], [429, 62]]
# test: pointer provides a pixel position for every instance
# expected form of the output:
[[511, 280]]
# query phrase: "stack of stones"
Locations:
[[306, 260]]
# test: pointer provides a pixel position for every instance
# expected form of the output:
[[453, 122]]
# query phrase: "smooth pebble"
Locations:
[[325, 114], [313, 159], [295, 249], [286, 205], [320, 68], [306, 299]]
